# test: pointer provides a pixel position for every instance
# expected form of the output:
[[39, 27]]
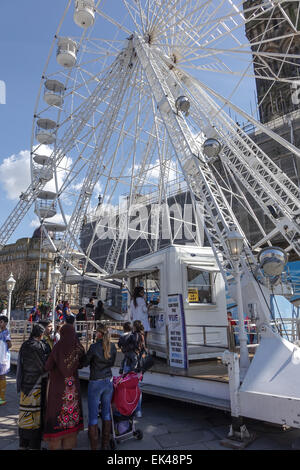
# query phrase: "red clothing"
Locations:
[[64, 410]]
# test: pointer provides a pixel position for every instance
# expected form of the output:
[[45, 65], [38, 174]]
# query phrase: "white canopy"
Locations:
[[132, 272], [205, 268]]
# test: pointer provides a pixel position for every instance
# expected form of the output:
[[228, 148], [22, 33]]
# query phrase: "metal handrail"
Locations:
[[204, 332], [21, 329]]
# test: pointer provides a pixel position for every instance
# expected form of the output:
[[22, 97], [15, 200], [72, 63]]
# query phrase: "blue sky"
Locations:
[[26, 32]]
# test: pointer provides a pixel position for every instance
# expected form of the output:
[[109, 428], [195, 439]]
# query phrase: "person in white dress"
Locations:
[[139, 309]]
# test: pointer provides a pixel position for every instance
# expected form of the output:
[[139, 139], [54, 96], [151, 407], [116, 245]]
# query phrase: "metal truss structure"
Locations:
[[110, 122]]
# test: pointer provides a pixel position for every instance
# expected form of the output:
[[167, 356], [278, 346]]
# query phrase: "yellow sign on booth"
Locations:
[[193, 295]]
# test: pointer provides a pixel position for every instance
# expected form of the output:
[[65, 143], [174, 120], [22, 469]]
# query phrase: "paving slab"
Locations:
[[265, 443], [198, 446], [166, 425], [184, 438], [215, 445]]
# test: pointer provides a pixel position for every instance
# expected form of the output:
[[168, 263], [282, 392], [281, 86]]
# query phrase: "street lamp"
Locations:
[[10, 284], [55, 277], [235, 242]]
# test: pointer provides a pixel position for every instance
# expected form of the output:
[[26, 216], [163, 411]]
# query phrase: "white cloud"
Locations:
[[98, 189], [15, 174], [35, 223], [57, 219]]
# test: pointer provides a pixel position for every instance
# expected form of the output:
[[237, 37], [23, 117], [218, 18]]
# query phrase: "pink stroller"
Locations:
[[124, 402]]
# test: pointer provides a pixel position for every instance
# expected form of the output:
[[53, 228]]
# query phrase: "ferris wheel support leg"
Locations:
[[238, 436], [244, 354]]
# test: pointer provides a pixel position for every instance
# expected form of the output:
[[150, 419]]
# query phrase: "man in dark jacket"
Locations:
[[90, 309], [47, 340]]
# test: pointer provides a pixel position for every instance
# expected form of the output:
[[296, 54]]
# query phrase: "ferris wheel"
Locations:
[[142, 99]]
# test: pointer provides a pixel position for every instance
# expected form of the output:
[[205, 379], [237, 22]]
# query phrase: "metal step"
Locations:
[[188, 397], [165, 392]]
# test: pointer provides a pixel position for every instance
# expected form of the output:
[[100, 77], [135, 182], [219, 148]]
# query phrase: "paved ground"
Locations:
[[166, 425]]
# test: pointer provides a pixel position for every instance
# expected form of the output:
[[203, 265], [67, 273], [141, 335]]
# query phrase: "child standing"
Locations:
[[5, 345], [124, 344], [135, 348]]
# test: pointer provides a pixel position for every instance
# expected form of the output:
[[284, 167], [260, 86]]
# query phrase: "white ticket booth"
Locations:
[[186, 292]]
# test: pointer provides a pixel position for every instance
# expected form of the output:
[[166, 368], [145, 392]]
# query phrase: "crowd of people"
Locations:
[[62, 310], [50, 405], [249, 326]]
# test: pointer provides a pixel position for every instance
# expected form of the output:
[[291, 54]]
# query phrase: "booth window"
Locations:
[[199, 286], [151, 283]]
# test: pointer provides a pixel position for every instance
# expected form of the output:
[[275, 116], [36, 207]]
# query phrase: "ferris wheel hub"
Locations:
[[211, 148]]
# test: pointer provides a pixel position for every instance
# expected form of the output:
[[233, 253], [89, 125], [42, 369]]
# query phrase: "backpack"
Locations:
[[145, 362], [126, 343]]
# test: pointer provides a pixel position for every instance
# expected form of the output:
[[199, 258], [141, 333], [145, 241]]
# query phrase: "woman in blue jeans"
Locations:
[[100, 357]]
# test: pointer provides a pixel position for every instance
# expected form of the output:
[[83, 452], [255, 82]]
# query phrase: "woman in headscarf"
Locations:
[[64, 418], [31, 367]]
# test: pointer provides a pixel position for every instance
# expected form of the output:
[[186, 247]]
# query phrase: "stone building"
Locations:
[[271, 35], [31, 265], [279, 104]]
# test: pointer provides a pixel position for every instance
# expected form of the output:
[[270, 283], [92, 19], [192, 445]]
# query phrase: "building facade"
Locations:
[[31, 265], [268, 35]]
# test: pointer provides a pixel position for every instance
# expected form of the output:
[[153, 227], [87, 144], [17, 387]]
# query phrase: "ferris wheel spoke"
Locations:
[[93, 174], [288, 19], [112, 163], [83, 65], [68, 181], [136, 14], [157, 8], [189, 33], [136, 172], [238, 194], [104, 91], [162, 155], [167, 13], [166, 18], [112, 21]]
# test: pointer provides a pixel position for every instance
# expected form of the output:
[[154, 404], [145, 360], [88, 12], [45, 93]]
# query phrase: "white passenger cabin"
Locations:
[[188, 319]]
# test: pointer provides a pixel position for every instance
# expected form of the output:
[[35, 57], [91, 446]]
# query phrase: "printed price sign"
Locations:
[[193, 295], [176, 332]]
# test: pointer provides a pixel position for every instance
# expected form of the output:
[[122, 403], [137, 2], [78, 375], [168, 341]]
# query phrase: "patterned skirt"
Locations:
[[67, 418], [30, 410]]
